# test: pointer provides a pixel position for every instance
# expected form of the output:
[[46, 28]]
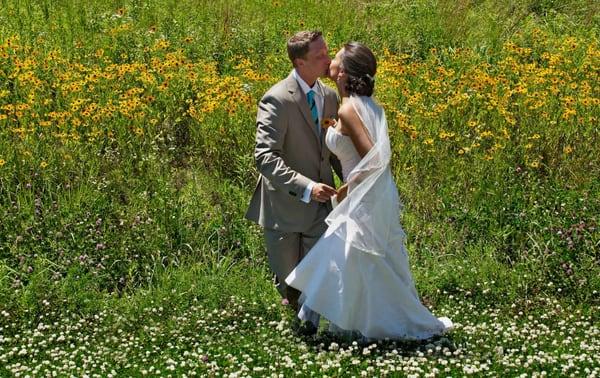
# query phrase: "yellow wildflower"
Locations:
[[569, 113], [446, 135]]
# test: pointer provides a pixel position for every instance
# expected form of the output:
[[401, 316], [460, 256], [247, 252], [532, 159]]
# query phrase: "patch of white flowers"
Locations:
[[246, 339]]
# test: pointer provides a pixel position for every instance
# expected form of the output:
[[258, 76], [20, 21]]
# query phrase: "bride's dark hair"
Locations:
[[360, 66]]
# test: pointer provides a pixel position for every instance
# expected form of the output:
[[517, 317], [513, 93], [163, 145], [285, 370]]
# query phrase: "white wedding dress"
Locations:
[[361, 282]]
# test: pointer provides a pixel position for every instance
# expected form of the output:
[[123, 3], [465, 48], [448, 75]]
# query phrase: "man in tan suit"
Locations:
[[292, 197]]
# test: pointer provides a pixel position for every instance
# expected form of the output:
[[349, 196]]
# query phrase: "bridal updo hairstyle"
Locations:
[[360, 66]]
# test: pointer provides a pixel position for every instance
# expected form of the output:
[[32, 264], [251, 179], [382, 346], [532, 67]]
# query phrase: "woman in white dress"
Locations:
[[357, 275]]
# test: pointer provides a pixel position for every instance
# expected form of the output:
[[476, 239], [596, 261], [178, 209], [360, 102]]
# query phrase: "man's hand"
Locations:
[[322, 192]]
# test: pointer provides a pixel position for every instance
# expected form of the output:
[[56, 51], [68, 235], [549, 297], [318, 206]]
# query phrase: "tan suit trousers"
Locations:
[[286, 249]]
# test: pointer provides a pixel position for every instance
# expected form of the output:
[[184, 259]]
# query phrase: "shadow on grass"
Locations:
[[325, 339]]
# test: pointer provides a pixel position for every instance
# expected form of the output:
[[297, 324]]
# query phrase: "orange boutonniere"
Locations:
[[327, 122]]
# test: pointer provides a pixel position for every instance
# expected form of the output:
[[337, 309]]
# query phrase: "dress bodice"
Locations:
[[341, 145]]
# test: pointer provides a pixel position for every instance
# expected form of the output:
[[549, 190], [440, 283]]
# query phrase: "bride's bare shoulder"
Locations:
[[347, 113]]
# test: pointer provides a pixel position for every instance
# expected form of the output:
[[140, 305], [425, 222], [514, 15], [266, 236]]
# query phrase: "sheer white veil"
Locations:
[[368, 218]]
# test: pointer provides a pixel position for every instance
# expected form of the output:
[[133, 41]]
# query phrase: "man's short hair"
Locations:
[[298, 44]]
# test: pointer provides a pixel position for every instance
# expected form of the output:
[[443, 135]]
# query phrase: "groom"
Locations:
[[291, 200]]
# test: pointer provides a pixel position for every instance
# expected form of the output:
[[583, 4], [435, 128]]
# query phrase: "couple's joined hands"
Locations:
[[323, 192]]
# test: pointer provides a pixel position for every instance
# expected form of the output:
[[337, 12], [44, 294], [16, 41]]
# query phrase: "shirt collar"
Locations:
[[305, 88]]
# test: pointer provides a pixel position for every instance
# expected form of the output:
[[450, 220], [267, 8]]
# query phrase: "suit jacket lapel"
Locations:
[[300, 99]]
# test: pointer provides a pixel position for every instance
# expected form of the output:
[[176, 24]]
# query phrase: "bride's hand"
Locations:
[[342, 192]]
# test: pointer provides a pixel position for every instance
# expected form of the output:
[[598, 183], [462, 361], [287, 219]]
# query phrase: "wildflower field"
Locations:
[[126, 165]]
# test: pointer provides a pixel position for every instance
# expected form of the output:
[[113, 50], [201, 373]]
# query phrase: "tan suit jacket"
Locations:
[[289, 153]]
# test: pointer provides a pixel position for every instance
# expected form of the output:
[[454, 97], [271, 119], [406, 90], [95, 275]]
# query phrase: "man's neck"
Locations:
[[310, 81]]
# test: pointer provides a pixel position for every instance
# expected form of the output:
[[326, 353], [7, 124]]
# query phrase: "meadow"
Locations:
[[126, 165]]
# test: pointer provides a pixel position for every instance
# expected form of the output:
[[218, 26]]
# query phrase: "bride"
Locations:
[[357, 274]]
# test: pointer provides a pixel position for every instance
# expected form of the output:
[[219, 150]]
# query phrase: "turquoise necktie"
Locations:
[[310, 96]]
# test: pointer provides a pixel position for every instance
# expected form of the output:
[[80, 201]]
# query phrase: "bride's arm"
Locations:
[[342, 192]]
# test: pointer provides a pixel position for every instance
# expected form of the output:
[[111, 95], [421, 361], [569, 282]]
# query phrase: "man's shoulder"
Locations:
[[328, 91], [278, 91], [279, 87]]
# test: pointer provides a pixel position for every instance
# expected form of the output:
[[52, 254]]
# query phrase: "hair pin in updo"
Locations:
[[371, 78]]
